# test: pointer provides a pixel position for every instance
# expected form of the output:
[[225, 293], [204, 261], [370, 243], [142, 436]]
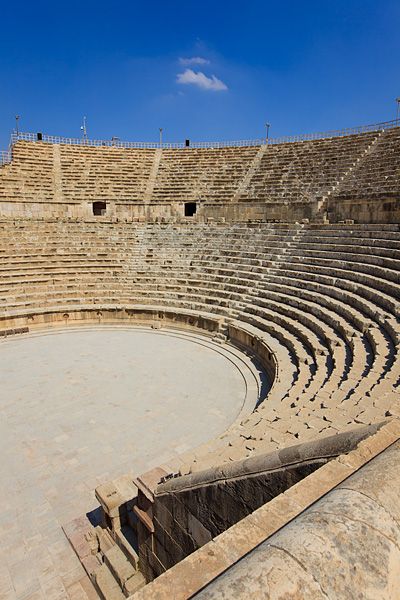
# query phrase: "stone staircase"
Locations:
[[254, 167], [153, 176], [322, 205], [118, 575], [220, 338], [107, 551]]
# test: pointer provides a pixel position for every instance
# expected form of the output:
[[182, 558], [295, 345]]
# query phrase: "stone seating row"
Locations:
[[349, 233], [350, 280], [29, 175], [377, 175], [346, 167], [148, 291], [336, 282], [309, 168], [61, 272], [378, 267], [210, 173], [336, 328], [104, 173]]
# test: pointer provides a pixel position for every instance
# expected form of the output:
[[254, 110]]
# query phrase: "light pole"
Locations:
[[398, 108], [83, 129], [267, 126], [16, 124], [160, 130]]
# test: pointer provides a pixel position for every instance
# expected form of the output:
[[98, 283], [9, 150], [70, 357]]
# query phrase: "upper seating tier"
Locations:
[[284, 182]]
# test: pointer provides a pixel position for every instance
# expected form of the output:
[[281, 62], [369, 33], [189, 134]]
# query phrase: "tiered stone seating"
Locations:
[[324, 299], [305, 171], [316, 305], [29, 178], [288, 175], [104, 173], [378, 175], [202, 173]]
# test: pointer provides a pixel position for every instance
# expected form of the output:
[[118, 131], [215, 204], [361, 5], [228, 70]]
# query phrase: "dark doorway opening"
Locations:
[[190, 209], [99, 209]]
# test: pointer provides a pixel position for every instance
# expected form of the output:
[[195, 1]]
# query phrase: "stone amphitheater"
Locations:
[[200, 368]]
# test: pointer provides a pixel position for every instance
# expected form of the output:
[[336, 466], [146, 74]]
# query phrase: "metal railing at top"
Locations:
[[5, 156], [336, 133], [33, 137]]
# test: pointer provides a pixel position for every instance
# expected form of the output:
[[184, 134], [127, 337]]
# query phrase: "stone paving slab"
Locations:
[[82, 406]]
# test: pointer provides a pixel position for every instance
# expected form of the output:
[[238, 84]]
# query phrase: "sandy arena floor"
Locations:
[[82, 406]]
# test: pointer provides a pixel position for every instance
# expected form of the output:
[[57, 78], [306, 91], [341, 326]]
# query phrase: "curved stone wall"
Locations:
[[348, 177], [318, 306], [333, 534]]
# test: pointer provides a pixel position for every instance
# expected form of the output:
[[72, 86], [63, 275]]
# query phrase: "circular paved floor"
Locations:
[[82, 406]]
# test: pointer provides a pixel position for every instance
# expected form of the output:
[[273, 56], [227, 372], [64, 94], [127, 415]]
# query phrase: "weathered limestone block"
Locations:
[[346, 545], [285, 580], [117, 498]]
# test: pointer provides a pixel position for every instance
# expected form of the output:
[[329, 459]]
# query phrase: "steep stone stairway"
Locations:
[[323, 204], [107, 550]]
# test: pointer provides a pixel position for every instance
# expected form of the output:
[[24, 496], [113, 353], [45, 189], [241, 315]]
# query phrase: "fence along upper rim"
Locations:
[[5, 156]]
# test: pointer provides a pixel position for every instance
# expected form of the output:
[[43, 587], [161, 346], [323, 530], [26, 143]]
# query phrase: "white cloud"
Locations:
[[194, 60], [201, 80]]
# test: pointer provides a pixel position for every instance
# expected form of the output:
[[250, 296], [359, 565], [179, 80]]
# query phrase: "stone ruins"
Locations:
[[283, 259]]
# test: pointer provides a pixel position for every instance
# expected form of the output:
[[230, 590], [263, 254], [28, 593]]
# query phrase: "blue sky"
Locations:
[[205, 70]]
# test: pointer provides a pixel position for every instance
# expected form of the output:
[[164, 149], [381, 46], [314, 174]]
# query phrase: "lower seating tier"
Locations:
[[324, 300]]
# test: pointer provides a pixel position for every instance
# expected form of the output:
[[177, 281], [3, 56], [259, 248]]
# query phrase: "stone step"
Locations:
[[116, 497], [119, 565], [106, 584], [104, 539], [133, 584]]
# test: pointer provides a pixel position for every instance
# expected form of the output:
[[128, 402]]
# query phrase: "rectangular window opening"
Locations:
[[190, 209], [99, 209]]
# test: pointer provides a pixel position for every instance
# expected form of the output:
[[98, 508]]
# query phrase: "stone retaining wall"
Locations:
[[184, 513], [348, 510]]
